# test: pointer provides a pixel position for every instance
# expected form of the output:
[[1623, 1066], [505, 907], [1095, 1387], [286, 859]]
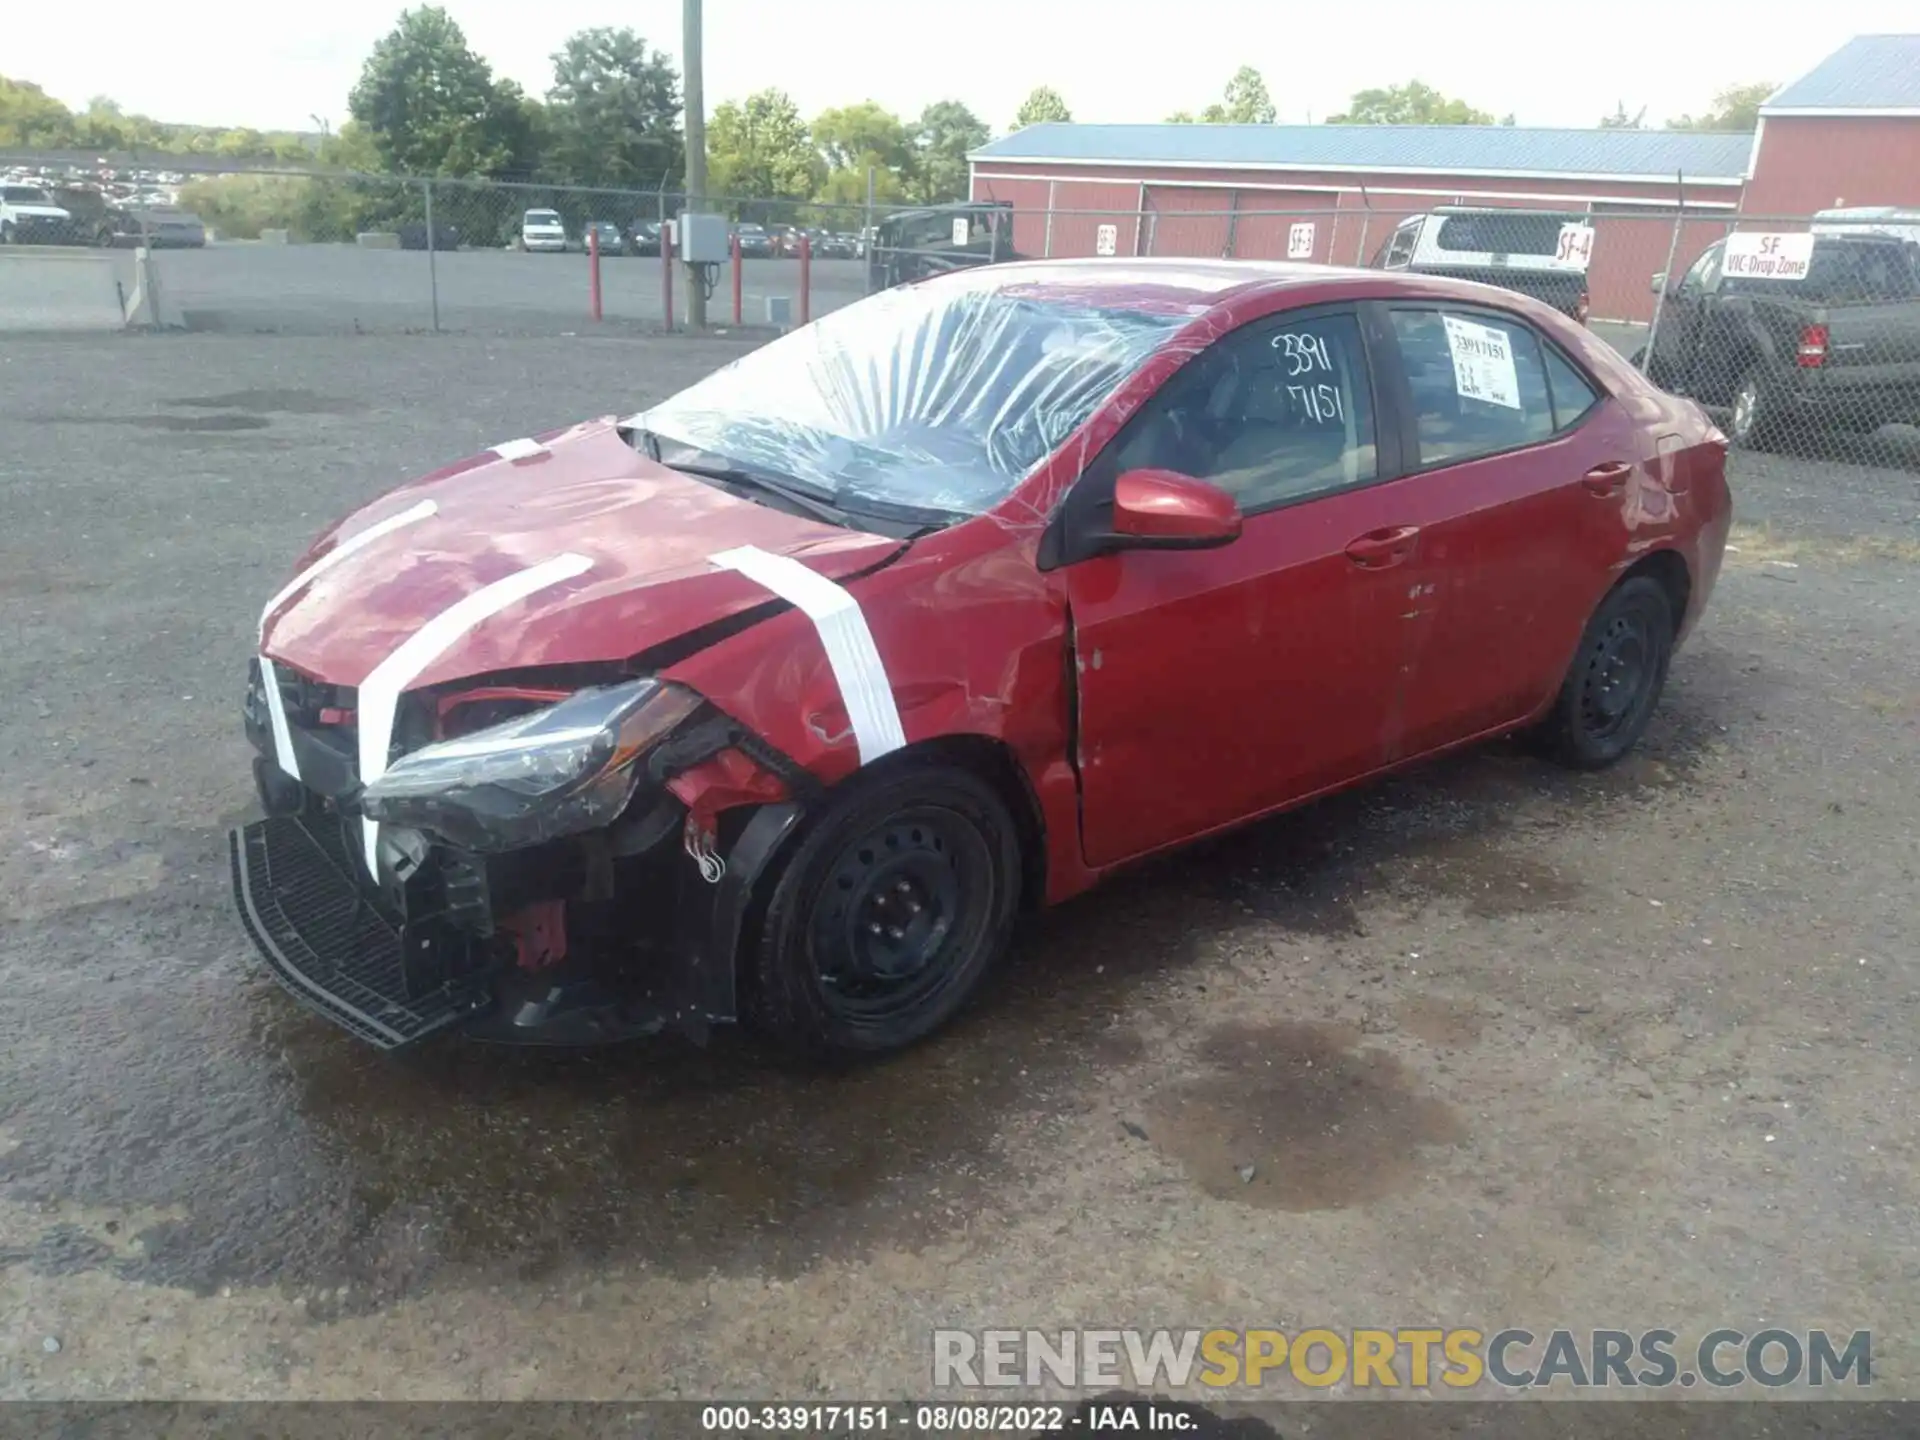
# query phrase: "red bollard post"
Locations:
[[739, 310], [666, 274], [806, 278], [593, 272]]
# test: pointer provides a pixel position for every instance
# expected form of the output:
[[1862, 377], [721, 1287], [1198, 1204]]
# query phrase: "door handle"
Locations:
[[1607, 479], [1377, 549]]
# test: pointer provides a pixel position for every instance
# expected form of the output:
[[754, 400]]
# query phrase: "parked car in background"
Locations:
[[849, 244], [644, 238], [660, 731], [754, 240], [610, 238], [784, 240], [543, 230], [913, 244], [413, 236], [1830, 344], [126, 224], [29, 216], [1532, 252]]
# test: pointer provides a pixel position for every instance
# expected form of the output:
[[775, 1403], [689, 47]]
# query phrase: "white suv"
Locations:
[[28, 216], [542, 230]]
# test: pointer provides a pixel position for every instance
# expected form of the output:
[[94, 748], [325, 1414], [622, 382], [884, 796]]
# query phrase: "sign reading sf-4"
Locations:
[[778, 701]]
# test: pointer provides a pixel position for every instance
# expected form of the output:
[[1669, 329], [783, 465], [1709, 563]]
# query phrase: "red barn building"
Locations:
[[1848, 133]]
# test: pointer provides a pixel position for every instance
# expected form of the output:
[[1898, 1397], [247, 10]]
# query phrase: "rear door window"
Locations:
[[1477, 380]]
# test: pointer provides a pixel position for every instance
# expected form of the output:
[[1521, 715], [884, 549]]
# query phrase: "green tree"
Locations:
[[1044, 105], [1180, 117], [431, 105], [1621, 120], [759, 149], [1413, 103], [31, 118], [614, 111], [1736, 108], [946, 132], [1246, 102], [853, 139]]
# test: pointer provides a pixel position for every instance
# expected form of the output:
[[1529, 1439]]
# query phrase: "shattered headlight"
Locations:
[[558, 771]]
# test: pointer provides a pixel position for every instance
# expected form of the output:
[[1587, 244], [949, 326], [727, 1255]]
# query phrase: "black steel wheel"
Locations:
[[895, 901], [1616, 677]]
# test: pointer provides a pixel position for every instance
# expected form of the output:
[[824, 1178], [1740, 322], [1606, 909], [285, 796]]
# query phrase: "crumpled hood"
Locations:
[[646, 532]]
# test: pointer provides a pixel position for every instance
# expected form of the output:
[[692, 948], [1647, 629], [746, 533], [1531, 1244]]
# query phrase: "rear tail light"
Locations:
[[1812, 353]]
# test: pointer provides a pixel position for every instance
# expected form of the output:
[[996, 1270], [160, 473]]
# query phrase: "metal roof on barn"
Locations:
[[1399, 149], [1869, 72]]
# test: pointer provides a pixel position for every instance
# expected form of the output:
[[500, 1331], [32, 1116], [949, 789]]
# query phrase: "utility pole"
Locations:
[[696, 149]]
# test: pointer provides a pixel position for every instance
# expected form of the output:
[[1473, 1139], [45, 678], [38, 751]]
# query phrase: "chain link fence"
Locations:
[[1795, 330]]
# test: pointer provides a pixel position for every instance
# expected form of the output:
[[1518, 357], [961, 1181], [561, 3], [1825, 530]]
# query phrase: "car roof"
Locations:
[[1198, 285], [1156, 280]]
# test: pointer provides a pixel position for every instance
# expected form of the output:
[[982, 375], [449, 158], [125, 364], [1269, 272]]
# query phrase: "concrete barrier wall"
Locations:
[[49, 289]]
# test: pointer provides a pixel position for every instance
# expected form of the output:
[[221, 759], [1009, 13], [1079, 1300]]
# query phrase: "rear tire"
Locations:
[[1755, 422], [897, 899], [1614, 683]]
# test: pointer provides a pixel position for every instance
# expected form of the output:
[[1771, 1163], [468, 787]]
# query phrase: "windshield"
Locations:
[[26, 195], [939, 398], [543, 217]]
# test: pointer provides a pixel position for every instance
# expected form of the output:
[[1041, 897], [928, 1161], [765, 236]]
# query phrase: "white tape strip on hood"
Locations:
[[379, 695], [857, 668], [341, 551], [521, 449], [277, 719]]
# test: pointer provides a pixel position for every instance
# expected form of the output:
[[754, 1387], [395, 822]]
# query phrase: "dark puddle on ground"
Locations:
[[296, 1156], [175, 424], [1298, 1117], [274, 402]]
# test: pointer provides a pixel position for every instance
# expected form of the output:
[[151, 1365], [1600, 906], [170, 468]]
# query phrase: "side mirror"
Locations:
[[1659, 285], [1165, 510]]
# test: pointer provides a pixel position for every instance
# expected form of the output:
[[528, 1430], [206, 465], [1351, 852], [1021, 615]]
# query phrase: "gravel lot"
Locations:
[[1502, 1045]]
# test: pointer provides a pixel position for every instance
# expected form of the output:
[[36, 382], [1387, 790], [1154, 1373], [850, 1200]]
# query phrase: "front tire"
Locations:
[[1615, 681], [881, 923]]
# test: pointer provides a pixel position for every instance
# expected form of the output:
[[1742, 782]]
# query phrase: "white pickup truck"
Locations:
[[28, 216]]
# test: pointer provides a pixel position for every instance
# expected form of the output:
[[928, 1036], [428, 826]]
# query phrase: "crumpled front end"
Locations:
[[554, 908]]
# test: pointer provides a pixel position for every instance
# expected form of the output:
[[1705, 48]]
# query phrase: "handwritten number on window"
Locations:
[[1306, 352]]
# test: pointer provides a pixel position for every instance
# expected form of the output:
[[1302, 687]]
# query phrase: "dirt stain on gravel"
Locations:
[[1293, 1116], [1490, 883], [1443, 1024], [274, 402]]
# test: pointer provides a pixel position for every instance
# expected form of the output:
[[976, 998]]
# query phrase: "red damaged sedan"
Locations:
[[774, 702]]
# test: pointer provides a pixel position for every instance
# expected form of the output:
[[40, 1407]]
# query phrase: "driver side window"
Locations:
[[1276, 412], [1705, 271]]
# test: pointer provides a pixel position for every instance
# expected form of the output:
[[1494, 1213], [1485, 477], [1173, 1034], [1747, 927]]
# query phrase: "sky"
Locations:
[[1548, 62]]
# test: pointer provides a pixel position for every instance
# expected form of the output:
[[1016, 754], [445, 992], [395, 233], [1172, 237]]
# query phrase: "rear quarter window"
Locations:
[[1517, 233]]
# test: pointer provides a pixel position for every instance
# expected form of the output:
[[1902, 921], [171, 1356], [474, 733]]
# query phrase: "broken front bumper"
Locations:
[[343, 950]]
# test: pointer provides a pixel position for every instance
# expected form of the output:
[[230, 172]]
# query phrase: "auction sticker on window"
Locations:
[[1768, 257], [1482, 363]]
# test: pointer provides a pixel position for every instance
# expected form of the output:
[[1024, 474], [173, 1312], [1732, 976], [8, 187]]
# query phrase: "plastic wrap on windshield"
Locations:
[[939, 398]]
